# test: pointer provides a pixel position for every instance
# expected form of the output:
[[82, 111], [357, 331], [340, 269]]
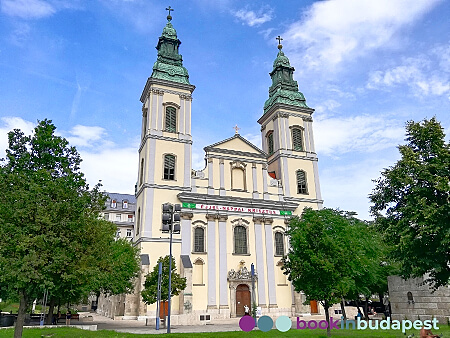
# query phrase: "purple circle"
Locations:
[[247, 323]]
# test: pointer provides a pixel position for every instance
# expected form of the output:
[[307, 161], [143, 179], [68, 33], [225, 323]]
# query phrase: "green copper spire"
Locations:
[[283, 89], [169, 64]]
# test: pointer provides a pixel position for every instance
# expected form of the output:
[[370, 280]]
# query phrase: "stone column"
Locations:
[[270, 263], [211, 247], [181, 128], [255, 182], [210, 176], [222, 191], [186, 233], [260, 261], [223, 287], [265, 185]]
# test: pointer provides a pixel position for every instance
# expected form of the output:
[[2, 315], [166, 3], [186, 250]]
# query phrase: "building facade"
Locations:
[[234, 211], [120, 209]]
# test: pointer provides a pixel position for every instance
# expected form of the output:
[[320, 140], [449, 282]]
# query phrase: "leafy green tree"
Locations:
[[150, 292], [411, 203], [331, 256], [51, 236]]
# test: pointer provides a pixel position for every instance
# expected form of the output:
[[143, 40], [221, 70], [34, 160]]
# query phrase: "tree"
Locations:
[[330, 256], [51, 235], [150, 292], [412, 206]]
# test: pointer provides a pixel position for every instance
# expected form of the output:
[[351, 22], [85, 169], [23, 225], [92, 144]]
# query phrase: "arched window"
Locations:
[[297, 139], [240, 240], [270, 142], [279, 244], [141, 177], [138, 221], [169, 167], [171, 120], [197, 277], [199, 239], [301, 182]]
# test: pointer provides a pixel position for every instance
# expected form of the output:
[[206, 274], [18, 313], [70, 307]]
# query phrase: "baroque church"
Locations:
[[234, 212]]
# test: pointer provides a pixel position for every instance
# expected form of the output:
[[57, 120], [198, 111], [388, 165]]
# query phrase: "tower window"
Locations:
[[141, 176], [240, 240], [270, 143], [279, 244], [138, 223], [297, 139], [169, 167], [199, 240], [301, 182], [171, 120]]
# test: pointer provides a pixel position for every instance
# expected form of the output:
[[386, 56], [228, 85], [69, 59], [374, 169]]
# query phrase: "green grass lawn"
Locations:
[[75, 333]]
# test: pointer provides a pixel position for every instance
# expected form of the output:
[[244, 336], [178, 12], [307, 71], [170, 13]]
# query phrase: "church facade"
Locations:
[[234, 211]]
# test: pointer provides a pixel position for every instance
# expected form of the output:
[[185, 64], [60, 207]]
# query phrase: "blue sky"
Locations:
[[365, 66]]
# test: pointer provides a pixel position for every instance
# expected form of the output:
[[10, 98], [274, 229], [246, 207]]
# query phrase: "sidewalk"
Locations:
[[134, 326]]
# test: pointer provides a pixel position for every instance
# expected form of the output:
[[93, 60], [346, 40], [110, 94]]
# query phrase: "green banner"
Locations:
[[285, 212], [189, 205]]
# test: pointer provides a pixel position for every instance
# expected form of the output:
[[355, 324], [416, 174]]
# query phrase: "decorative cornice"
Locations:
[[211, 217], [301, 199], [236, 201], [222, 217], [157, 91], [228, 158], [159, 240], [153, 81], [164, 138], [287, 109], [234, 152], [187, 215], [279, 154], [171, 104]]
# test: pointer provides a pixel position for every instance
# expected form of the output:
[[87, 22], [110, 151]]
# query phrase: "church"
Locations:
[[234, 211]]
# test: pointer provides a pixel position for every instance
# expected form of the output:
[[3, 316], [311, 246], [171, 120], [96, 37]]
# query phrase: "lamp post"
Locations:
[[171, 225], [253, 290]]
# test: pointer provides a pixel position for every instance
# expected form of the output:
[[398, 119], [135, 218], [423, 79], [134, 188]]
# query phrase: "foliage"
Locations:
[[332, 255], [51, 236], [411, 204], [150, 292]]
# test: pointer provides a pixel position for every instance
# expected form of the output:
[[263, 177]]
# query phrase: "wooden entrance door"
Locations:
[[313, 305], [163, 309], [242, 298]]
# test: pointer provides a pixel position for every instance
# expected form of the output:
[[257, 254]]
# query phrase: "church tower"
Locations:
[[165, 152], [287, 136]]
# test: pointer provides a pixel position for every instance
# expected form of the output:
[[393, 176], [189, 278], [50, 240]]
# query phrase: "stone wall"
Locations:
[[421, 304]]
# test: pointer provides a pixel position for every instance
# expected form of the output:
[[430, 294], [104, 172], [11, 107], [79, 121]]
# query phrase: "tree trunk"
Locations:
[[21, 315], [366, 309], [326, 306], [51, 307], [381, 297], [343, 309]]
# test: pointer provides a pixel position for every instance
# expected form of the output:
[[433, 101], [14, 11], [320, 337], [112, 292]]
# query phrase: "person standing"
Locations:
[[68, 317]]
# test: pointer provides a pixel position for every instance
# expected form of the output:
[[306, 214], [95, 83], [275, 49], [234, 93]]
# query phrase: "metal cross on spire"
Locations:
[[169, 17], [279, 38], [236, 128]]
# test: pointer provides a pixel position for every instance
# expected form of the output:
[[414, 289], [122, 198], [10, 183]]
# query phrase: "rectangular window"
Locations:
[[118, 234], [169, 167], [301, 182], [297, 139], [106, 216], [113, 204], [130, 218], [118, 217], [171, 119], [124, 204], [128, 232], [270, 143]]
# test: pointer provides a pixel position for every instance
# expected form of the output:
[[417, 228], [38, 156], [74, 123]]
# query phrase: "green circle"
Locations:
[[265, 323], [283, 323]]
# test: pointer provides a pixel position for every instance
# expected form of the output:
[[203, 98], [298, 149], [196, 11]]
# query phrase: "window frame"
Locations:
[[199, 227], [270, 143], [130, 232], [175, 117], [301, 130], [174, 167], [125, 204], [301, 190], [245, 232], [282, 242], [114, 203]]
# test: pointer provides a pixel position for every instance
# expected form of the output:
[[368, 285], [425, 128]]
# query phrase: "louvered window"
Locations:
[[171, 119], [279, 244], [199, 240], [301, 182], [270, 143], [240, 240], [297, 139], [169, 167]]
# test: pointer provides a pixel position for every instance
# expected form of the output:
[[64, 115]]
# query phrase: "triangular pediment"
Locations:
[[237, 144]]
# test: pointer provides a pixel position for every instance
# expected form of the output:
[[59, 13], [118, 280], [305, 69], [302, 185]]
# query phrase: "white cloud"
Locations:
[[339, 135], [7, 124], [337, 30], [28, 9], [85, 136], [426, 74], [252, 18]]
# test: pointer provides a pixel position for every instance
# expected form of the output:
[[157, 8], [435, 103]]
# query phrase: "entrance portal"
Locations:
[[242, 299]]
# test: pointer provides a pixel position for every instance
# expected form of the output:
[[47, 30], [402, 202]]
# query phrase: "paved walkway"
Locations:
[[139, 327]]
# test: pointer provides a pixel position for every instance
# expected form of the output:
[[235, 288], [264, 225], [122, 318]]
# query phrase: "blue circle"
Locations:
[[265, 323], [283, 323]]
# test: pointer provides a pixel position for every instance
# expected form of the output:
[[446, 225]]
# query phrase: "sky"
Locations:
[[366, 67]]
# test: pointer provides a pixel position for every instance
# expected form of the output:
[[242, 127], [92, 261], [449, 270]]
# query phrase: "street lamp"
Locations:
[[170, 224]]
